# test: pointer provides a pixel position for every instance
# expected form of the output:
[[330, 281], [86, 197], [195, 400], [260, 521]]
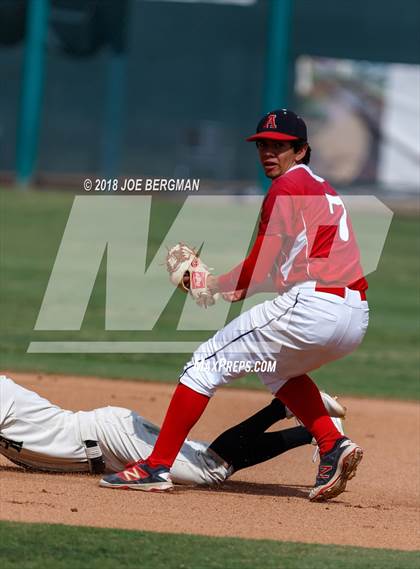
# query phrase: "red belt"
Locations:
[[339, 291]]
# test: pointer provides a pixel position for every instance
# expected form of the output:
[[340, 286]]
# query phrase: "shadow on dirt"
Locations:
[[257, 489]]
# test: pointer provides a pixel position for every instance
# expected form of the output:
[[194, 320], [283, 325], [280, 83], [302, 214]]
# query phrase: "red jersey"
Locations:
[[304, 234]]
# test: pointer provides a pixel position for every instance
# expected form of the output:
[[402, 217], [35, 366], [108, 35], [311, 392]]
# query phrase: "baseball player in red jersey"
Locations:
[[306, 251]]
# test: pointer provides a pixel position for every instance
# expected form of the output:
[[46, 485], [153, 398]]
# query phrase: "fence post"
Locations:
[[31, 90], [277, 61]]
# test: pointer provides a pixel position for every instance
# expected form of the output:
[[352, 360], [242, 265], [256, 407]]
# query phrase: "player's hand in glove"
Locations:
[[188, 272]]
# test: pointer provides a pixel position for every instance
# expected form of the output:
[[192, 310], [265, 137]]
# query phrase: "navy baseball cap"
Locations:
[[280, 125]]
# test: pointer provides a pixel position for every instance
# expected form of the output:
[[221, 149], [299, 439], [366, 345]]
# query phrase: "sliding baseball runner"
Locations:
[[36, 434]]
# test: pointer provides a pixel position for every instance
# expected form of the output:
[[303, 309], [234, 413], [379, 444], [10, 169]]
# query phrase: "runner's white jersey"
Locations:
[[37, 434], [34, 430]]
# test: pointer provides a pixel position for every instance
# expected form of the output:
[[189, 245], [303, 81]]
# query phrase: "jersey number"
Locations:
[[343, 230], [325, 235]]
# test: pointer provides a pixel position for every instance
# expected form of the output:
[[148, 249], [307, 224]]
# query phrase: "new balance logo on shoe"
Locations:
[[324, 471]]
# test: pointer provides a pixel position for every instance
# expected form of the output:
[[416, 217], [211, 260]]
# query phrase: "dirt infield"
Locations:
[[379, 509]]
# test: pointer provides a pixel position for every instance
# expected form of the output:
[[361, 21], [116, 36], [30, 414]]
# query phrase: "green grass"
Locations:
[[33, 546], [32, 224]]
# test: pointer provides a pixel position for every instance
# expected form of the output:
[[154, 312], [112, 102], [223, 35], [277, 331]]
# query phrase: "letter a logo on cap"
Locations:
[[270, 121]]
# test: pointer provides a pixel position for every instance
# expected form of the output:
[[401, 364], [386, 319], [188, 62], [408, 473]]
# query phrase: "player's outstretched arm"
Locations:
[[253, 271]]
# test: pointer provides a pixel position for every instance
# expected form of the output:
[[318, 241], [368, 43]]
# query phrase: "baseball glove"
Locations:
[[188, 272]]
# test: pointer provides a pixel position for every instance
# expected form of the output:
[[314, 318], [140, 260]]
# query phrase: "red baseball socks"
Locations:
[[302, 397], [184, 410]]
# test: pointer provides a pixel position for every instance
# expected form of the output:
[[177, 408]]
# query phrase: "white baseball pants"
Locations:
[[298, 331]]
